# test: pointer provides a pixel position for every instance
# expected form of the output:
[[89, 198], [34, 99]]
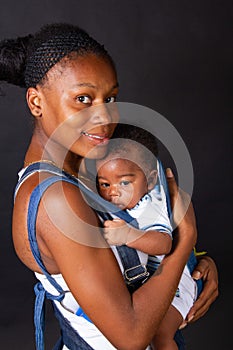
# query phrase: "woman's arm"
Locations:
[[68, 232]]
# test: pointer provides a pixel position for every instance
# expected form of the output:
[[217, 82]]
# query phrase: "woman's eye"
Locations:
[[110, 99], [84, 99]]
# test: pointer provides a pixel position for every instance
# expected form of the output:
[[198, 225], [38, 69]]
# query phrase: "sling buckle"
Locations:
[[130, 273]]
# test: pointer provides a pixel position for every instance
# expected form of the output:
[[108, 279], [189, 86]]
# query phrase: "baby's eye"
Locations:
[[110, 99], [124, 183], [104, 185], [84, 99]]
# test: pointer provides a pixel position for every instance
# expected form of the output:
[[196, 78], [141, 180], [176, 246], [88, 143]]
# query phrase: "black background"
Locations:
[[174, 57]]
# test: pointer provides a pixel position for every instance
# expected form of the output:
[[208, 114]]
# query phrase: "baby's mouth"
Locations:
[[117, 203]]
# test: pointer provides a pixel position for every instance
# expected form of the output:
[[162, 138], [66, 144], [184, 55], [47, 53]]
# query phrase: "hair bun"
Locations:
[[13, 53]]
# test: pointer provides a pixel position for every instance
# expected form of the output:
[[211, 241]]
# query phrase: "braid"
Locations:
[[12, 60], [55, 42], [26, 61]]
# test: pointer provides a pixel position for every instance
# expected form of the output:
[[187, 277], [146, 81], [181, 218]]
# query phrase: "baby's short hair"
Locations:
[[130, 139]]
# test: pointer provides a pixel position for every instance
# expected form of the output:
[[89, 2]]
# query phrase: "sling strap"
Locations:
[[135, 273], [69, 336], [74, 342]]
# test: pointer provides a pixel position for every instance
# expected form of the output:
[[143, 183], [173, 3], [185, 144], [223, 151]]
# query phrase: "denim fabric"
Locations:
[[39, 313], [69, 336], [192, 262], [179, 339]]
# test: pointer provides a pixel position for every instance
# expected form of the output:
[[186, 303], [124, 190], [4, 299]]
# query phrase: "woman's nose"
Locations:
[[100, 114]]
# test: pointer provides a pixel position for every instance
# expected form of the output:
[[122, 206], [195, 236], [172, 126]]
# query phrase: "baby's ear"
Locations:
[[152, 179]]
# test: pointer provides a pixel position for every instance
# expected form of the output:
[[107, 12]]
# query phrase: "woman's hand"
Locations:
[[207, 270], [183, 216]]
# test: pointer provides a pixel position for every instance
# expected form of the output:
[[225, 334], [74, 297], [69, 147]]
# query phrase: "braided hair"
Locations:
[[25, 61]]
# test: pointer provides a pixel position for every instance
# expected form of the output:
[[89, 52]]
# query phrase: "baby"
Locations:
[[128, 178]]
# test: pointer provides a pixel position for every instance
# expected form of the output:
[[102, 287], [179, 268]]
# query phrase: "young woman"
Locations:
[[55, 231]]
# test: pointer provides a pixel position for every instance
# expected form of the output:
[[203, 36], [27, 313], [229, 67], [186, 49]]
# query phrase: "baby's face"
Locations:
[[122, 182]]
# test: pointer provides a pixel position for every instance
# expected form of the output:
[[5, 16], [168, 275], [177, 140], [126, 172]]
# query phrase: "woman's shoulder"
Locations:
[[36, 176], [58, 212]]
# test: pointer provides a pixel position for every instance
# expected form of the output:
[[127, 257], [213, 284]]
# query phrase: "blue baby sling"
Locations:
[[135, 272]]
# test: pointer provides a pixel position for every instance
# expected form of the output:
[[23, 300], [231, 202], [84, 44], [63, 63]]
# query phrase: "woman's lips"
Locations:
[[96, 138]]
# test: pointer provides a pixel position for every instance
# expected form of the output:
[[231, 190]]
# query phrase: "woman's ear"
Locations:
[[152, 179], [34, 102]]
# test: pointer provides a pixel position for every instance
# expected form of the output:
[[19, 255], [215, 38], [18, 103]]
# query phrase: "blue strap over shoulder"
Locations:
[[40, 292], [135, 272], [69, 336]]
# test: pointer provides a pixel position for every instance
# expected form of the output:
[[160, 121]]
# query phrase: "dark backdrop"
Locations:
[[174, 57]]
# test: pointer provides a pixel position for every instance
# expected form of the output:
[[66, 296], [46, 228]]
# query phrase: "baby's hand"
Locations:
[[116, 231]]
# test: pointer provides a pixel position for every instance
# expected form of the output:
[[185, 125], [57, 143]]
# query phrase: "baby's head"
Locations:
[[129, 170]]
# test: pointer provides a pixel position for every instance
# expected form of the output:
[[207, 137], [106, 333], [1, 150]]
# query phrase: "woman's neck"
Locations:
[[42, 149], [38, 151]]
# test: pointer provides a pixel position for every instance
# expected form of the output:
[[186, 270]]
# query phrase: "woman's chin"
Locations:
[[97, 152]]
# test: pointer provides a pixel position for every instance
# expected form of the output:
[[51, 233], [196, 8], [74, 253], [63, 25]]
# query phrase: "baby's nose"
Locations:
[[114, 190]]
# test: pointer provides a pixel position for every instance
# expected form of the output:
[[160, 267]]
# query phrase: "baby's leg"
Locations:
[[164, 338]]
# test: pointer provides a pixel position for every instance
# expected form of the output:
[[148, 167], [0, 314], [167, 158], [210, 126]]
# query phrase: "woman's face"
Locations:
[[75, 101]]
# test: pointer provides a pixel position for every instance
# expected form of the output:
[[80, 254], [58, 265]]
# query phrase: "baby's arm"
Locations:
[[152, 242]]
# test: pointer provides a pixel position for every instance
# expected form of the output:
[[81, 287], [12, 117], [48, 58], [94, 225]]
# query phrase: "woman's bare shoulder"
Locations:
[[63, 218]]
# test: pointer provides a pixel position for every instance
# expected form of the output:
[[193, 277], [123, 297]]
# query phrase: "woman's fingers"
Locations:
[[201, 306], [172, 185], [206, 269], [183, 216], [180, 201]]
